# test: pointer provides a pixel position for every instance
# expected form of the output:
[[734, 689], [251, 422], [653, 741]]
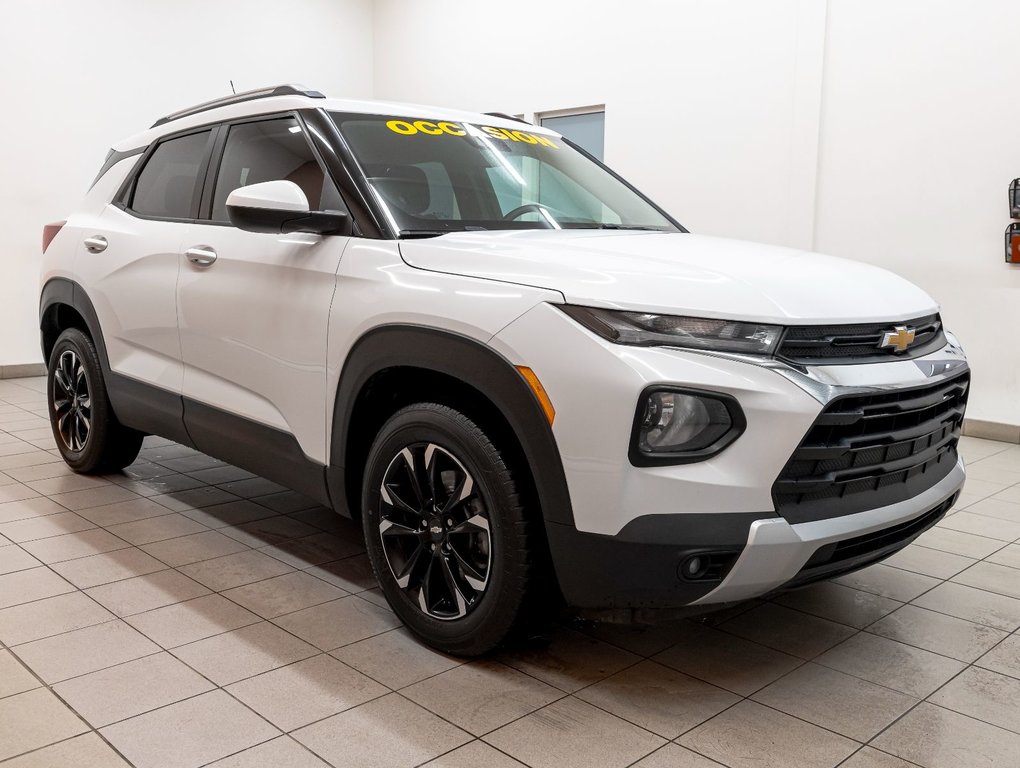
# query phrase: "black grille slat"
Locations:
[[844, 344], [896, 444]]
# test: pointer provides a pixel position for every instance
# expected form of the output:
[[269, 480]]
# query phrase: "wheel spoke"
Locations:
[[474, 579], [473, 524], [464, 491], [389, 528], [60, 378], [404, 577], [391, 497], [452, 586]]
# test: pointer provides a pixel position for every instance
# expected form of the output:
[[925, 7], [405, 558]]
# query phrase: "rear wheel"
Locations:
[[445, 529], [86, 431]]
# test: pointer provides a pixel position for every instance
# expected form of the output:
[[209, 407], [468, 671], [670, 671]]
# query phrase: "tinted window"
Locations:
[[166, 185], [271, 150]]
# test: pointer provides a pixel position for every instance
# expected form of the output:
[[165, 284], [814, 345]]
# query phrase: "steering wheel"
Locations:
[[520, 210]]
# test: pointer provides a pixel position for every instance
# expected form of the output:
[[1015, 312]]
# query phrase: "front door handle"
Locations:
[[201, 255], [96, 244]]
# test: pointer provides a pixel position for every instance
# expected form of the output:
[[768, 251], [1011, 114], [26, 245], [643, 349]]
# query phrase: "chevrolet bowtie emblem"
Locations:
[[899, 338]]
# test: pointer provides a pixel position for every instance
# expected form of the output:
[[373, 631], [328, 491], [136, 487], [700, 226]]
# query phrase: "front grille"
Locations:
[[859, 551], [842, 344], [868, 451]]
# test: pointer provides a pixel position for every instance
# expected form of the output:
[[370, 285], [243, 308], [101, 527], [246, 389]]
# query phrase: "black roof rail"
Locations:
[[237, 98], [505, 116]]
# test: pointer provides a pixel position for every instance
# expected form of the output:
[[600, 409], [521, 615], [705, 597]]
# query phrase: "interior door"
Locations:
[[253, 310]]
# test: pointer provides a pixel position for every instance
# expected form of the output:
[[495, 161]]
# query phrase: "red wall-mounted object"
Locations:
[[1013, 243]]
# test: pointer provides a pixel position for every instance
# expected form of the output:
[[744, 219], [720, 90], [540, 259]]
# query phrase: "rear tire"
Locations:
[[86, 431], [445, 530]]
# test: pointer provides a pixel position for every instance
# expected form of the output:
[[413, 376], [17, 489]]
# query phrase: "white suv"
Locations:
[[519, 373]]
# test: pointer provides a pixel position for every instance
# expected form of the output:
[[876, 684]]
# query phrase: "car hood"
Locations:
[[678, 273]]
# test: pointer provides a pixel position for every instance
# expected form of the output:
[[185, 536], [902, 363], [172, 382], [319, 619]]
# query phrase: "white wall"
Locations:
[[880, 131], [76, 76]]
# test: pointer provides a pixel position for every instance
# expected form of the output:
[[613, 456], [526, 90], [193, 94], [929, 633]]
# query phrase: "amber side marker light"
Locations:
[[540, 393]]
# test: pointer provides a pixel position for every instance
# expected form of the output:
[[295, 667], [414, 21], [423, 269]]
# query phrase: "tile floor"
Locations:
[[186, 613]]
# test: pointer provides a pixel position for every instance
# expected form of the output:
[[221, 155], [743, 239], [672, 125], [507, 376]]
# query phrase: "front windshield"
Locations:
[[431, 177]]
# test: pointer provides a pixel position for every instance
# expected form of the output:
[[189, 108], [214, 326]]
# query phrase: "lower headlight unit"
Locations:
[[675, 426]]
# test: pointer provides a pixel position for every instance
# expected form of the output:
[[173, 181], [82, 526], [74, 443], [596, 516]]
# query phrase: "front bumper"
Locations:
[[632, 527]]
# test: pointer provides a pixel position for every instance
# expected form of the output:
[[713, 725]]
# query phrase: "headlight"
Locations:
[[644, 329], [677, 426]]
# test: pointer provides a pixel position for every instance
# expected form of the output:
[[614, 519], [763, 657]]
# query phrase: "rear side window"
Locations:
[[270, 150], [167, 184]]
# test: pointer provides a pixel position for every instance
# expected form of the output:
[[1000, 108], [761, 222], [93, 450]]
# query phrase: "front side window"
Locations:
[[431, 176], [270, 150], [167, 185]]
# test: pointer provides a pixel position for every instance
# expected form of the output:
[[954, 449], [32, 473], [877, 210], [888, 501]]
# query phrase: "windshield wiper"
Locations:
[[411, 233], [608, 225]]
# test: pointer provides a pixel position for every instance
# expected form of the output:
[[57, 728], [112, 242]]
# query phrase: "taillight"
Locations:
[[49, 232]]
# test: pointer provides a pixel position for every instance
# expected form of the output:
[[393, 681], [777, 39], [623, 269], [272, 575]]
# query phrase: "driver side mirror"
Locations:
[[280, 207]]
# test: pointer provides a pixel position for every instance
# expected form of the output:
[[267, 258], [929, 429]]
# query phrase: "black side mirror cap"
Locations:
[[276, 221]]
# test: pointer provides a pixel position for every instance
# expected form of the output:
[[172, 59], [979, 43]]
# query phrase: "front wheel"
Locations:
[[86, 431], [445, 529]]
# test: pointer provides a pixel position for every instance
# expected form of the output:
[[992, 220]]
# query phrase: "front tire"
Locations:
[[87, 432], [445, 530]]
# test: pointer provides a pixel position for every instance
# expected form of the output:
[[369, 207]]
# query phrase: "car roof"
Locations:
[[205, 114]]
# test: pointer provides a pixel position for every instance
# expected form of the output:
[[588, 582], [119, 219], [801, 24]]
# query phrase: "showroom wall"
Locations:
[[81, 75], [886, 132]]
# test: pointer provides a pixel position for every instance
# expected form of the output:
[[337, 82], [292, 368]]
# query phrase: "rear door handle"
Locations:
[[201, 255], [96, 244]]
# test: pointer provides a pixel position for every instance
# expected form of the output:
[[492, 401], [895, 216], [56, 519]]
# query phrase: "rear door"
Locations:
[[130, 262], [253, 317]]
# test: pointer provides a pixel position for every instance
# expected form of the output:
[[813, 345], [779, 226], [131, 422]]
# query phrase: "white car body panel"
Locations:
[[676, 273]]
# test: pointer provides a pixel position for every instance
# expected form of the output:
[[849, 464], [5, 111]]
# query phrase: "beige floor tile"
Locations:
[[270, 530], [124, 512], [726, 660], [339, 622], [481, 696], [41, 472], [144, 593], [839, 603], [752, 736], [938, 738], [309, 690], [72, 545], [283, 752], [84, 650], [85, 751], [244, 652], [353, 574], [569, 660], [948, 635], [1004, 658], [15, 491], [474, 755], [571, 732], [236, 570], [216, 508], [983, 695], [786, 630], [992, 577], [28, 509], [131, 688], [659, 699], [1011, 494], [65, 482], [314, 550], [981, 525], [1006, 556], [153, 529], [836, 701], [34, 719], [29, 585], [14, 558], [930, 562], [992, 507], [644, 640], [287, 502], [958, 543], [675, 756], [975, 605], [350, 739], [93, 497], [395, 658], [284, 594], [185, 550], [886, 662], [14, 676], [216, 726], [32, 621], [120, 564], [28, 460], [889, 582], [192, 620], [868, 757], [40, 527]]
